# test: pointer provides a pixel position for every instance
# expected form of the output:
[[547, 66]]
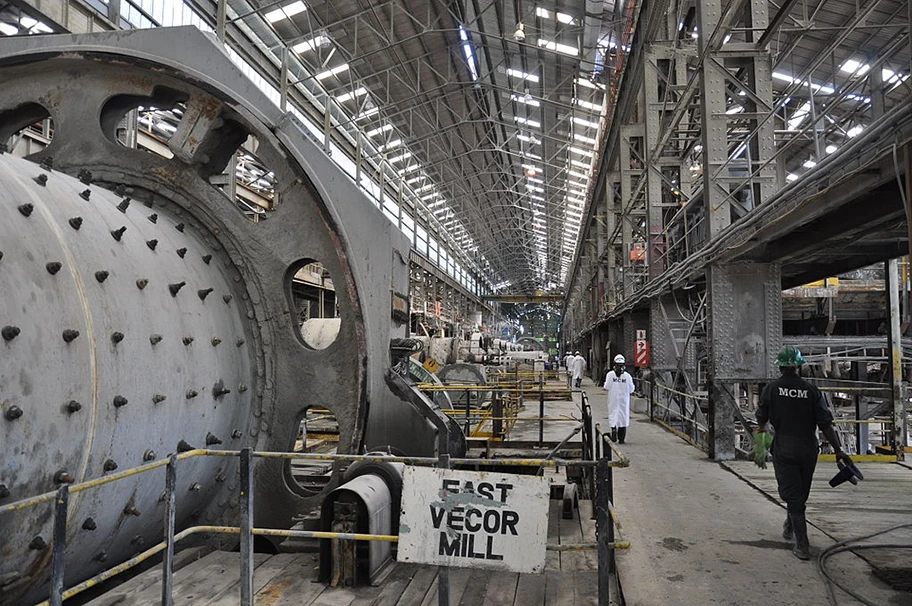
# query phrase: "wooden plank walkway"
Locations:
[[570, 579]]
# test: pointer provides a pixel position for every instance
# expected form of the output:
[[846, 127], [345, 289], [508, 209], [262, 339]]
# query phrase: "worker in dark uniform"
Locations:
[[795, 409]]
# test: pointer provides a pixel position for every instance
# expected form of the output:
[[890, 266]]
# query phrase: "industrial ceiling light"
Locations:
[[519, 35]]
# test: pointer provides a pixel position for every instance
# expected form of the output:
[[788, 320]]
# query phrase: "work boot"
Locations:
[[787, 533], [614, 435], [802, 549], [622, 434]]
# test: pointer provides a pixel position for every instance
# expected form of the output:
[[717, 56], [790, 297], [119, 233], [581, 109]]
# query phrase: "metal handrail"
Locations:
[[606, 514]]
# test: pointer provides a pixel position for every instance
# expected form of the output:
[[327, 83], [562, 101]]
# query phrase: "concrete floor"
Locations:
[[701, 534]]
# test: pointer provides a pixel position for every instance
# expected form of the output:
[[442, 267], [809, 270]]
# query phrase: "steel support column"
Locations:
[[744, 334]]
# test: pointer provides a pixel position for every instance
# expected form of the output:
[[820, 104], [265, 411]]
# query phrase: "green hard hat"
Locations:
[[789, 356]]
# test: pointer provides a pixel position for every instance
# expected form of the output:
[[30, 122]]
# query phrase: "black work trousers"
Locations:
[[794, 463]]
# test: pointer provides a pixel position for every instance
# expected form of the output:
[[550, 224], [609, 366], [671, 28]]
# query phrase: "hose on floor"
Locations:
[[847, 545]]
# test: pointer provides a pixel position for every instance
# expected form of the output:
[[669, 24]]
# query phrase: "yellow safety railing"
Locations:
[[603, 465]]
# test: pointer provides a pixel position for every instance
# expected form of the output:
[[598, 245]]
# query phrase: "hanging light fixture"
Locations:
[[519, 35]]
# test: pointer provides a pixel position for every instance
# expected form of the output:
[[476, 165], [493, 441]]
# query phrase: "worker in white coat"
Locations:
[[577, 367], [619, 385]]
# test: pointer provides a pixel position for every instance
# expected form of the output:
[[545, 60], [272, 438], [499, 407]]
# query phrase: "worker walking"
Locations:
[[619, 385], [795, 409], [568, 360], [577, 368]]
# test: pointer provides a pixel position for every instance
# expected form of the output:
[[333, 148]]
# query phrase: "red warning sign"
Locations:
[[641, 353]]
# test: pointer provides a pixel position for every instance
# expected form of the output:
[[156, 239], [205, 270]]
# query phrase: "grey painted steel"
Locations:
[[375, 507], [464, 373], [663, 355], [60, 527], [745, 317], [42, 374], [170, 517], [391, 473], [273, 376], [420, 374], [744, 334], [245, 498], [320, 333], [604, 527], [900, 436]]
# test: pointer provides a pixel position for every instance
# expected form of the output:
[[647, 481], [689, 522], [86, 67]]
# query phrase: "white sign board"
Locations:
[[472, 519], [641, 335]]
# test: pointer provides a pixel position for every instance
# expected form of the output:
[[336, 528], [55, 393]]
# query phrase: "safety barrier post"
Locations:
[[541, 411], [443, 462], [246, 498], [170, 509], [60, 523], [598, 441], [652, 391], [604, 528], [468, 411]]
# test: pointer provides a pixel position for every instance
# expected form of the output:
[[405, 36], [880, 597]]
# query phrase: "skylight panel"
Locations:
[[527, 100], [558, 47], [358, 92], [564, 18], [584, 139], [783, 77], [528, 122], [309, 45], [528, 139], [391, 145], [855, 67], [831, 148], [285, 12], [799, 116], [791, 177], [367, 114], [854, 131], [424, 188], [522, 75], [400, 157], [584, 122], [332, 72], [589, 84], [414, 180], [540, 190], [469, 52], [581, 152], [809, 163], [588, 105], [578, 174], [378, 130], [579, 164], [542, 12]]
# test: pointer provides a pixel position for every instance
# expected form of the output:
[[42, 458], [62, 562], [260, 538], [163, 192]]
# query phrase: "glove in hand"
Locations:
[[761, 448]]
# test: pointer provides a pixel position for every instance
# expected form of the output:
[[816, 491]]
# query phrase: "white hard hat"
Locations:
[[576, 352], [619, 359]]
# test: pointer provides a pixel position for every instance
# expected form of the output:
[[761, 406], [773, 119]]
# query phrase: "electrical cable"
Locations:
[[844, 546]]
